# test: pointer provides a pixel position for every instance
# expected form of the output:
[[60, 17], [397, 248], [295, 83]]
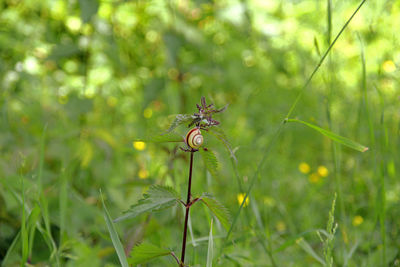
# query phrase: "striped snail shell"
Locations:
[[194, 139]]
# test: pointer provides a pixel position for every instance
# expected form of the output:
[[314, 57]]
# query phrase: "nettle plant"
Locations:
[[159, 197]]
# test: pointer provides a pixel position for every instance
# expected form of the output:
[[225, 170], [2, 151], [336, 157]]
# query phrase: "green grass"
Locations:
[[309, 86]]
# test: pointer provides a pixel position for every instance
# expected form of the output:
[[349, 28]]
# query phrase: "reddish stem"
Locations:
[[187, 211]]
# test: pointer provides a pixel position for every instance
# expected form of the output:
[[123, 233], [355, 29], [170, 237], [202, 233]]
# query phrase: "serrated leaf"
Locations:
[[146, 252], [210, 250], [179, 120], [157, 198], [210, 161], [114, 236], [335, 137], [221, 136], [217, 209], [164, 138]]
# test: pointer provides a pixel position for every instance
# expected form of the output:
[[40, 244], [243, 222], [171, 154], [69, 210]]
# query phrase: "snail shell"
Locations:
[[194, 139]]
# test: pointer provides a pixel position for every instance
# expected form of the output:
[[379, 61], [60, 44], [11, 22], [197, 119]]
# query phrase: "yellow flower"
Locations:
[[322, 171], [269, 201], [357, 220], [138, 145], [388, 66], [314, 178], [240, 198], [281, 226], [304, 168], [143, 174], [112, 101], [345, 237], [147, 113]]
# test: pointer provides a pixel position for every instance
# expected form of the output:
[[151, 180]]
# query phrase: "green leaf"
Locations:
[[293, 240], [337, 138], [24, 232], [221, 136], [210, 250], [34, 218], [114, 236], [217, 209], [88, 9], [158, 138], [210, 161], [145, 252], [157, 198], [10, 251], [309, 250], [179, 120]]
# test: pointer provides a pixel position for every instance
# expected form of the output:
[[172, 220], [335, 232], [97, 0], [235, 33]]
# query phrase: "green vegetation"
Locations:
[[302, 169]]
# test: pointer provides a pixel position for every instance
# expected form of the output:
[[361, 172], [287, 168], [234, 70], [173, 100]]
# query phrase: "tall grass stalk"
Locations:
[[24, 232], [384, 145], [278, 130], [379, 154], [43, 203], [331, 231]]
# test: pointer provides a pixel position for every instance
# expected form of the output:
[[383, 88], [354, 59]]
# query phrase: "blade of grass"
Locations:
[[31, 227], [205, 238], [350, 254], [365, 93], [43, 201], [39, 227], [210, 250], [292, 240], [11, 249], [335, 137], [63, 203], [24, 232], [382, 192], [260, 233], [310, 251], [191, 232], [378, 167], [114, 235], [323, 59], [329, 21]]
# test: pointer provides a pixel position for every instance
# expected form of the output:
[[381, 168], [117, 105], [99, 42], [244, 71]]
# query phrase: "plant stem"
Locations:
[[187, 211]]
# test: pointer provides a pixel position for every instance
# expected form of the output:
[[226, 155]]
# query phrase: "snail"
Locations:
[[194, 139]]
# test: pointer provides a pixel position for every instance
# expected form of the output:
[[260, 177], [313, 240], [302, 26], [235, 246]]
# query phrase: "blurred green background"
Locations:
[[81, 80]]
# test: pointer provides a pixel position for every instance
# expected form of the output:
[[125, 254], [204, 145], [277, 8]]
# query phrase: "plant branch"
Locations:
[[188, 204], [175, 257]]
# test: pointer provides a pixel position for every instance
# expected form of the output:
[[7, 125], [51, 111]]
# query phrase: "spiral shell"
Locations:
[[194, 139]]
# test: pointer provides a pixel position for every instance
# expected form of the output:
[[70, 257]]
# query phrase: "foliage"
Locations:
[[179, 120], [337, 138], [97, 75], [114, 236], [157, 198], [144, 252], [331, 231], [210, 161], [217, 209], [210, 250]]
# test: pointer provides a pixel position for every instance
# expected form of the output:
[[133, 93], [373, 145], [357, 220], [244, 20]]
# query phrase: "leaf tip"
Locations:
[[365, 149]]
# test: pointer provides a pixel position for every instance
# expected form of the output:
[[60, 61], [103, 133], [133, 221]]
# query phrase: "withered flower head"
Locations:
[[203, 119]]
